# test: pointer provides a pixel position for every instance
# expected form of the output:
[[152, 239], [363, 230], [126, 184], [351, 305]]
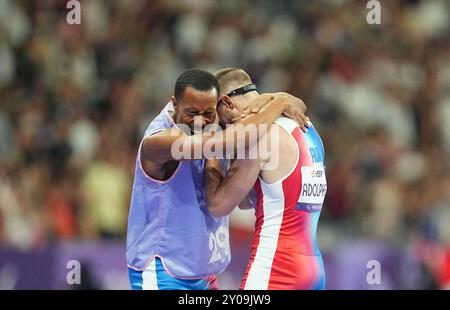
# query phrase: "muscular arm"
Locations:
[[223, 194], [175, 145]]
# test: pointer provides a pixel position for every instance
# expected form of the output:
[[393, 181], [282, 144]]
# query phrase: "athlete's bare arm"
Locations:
[[255, 106], [157, 149], [223, 194]]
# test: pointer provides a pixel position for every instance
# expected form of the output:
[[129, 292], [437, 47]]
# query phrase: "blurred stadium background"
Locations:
[[75, 100]]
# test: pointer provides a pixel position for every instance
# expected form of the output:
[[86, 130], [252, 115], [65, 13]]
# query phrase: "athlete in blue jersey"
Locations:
[[173, 242]]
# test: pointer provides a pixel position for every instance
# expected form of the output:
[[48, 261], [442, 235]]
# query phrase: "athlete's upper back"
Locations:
[[288, 209]]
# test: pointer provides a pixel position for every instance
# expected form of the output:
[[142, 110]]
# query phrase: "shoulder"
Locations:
[[159, 135], [286, 123]]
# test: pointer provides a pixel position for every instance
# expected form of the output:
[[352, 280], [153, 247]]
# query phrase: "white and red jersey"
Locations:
[[284, 252]]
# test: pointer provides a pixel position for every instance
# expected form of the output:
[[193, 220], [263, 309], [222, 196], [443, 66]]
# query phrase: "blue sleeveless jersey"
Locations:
[[170, 220]]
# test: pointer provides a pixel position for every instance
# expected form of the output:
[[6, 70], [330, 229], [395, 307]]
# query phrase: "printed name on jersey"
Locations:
[[313, 190]]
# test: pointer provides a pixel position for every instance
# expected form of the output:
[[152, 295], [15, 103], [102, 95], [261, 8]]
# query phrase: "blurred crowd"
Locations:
[[76, 99]]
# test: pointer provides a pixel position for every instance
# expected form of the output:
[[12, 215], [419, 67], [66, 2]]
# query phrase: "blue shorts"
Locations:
[[155, 277]]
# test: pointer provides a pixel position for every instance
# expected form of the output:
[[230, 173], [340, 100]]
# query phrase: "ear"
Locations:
[[226, 101], [174, 103]]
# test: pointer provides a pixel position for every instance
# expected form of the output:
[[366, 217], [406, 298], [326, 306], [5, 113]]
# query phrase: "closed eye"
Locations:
[[192, 113]]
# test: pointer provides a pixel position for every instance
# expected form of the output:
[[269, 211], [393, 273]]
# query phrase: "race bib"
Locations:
[[314, 188]]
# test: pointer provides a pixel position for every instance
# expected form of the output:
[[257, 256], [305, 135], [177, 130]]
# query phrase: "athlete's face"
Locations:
[[196, 105], [227, 110], [229, 107]]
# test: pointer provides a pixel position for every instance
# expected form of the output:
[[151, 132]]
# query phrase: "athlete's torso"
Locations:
[[169, 219], [284, 252]]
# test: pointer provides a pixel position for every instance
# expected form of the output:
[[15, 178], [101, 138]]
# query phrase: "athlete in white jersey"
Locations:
[[290, 187]]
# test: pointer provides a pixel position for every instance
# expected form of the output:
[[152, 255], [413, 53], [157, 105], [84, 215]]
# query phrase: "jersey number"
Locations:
[[218, 244]]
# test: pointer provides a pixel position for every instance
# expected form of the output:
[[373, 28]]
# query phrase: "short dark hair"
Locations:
[[232, 77], [197, 79]]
